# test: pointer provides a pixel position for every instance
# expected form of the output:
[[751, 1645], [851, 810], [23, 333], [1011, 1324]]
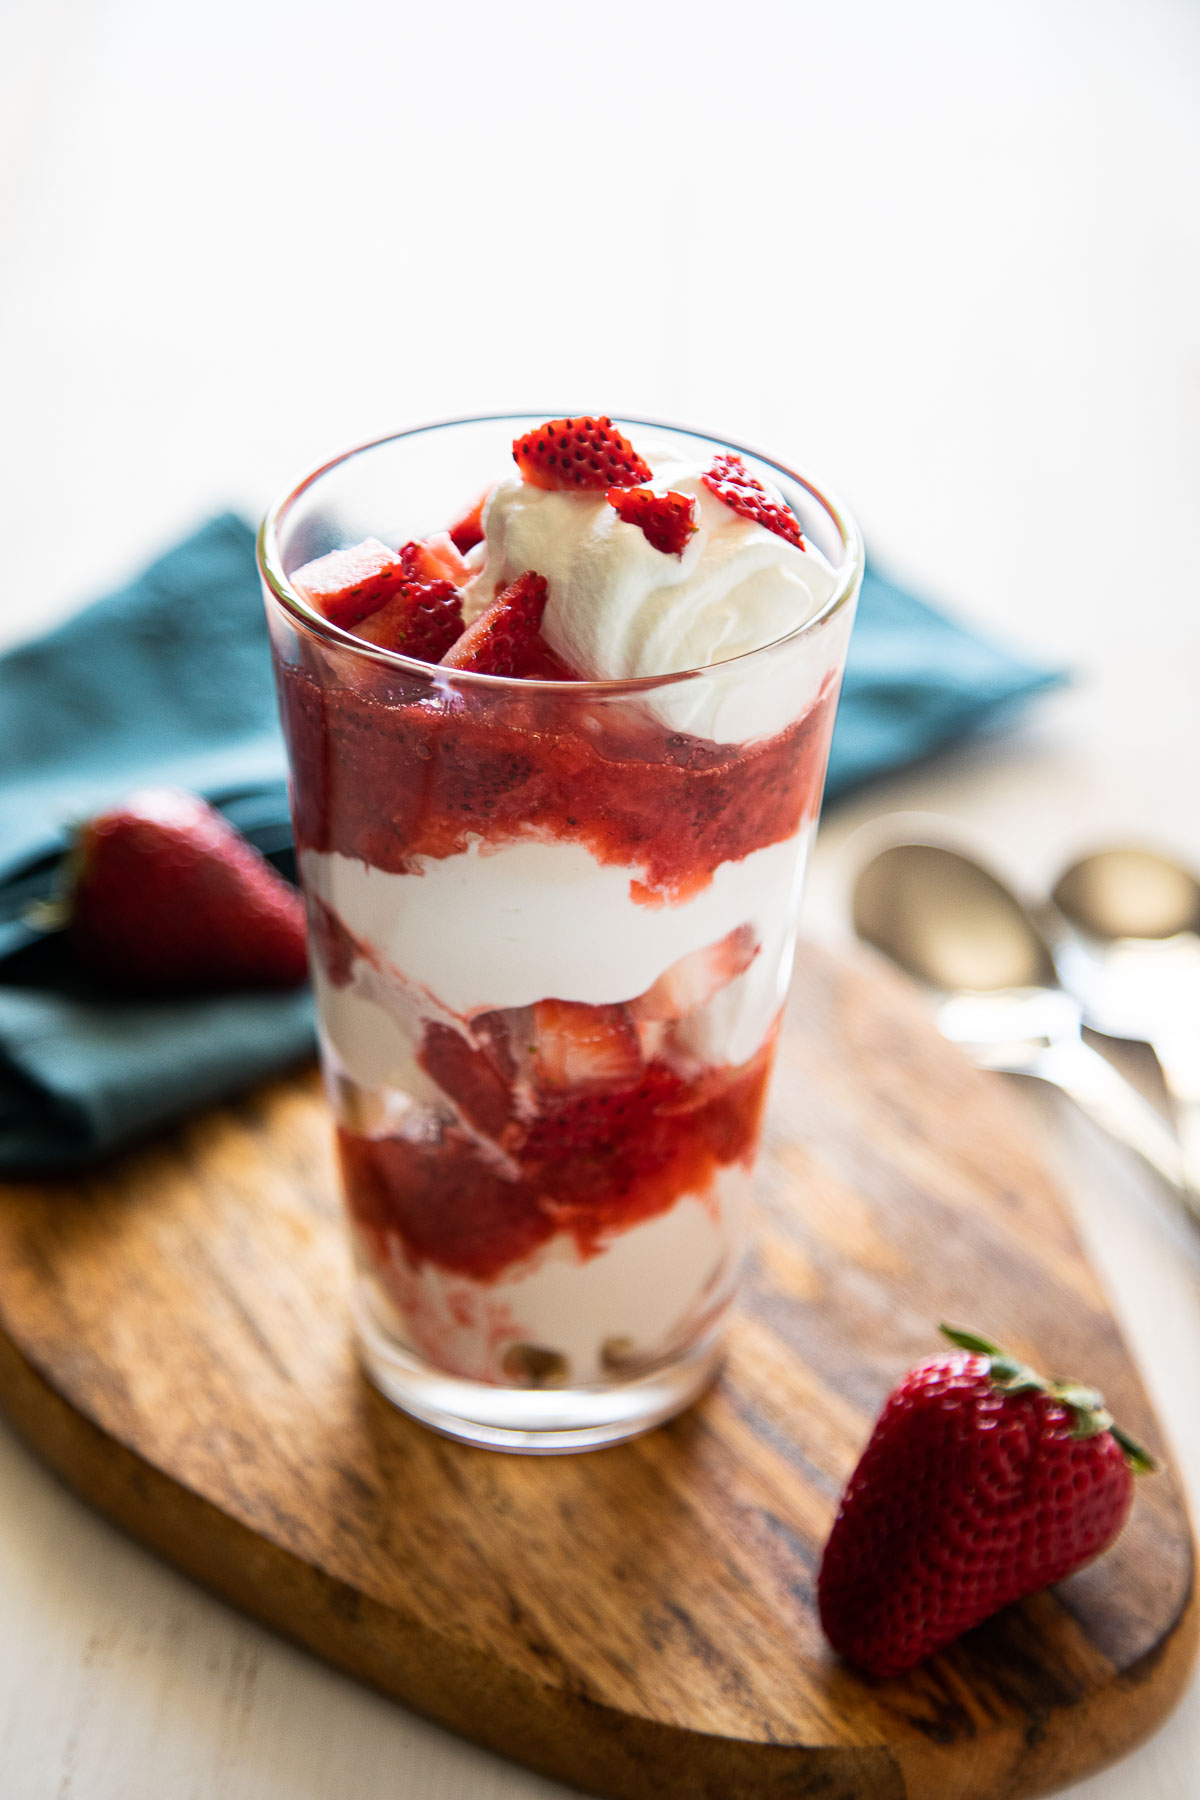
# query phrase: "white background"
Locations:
[[946, 255]]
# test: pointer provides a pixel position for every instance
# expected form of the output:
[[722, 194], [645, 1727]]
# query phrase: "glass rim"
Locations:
[[270, 567]]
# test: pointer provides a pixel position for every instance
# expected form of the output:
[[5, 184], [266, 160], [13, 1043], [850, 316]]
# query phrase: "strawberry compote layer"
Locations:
[[551, 942], [389, 779]]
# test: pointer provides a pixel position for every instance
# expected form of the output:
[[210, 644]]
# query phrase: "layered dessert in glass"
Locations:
[[558, 698]]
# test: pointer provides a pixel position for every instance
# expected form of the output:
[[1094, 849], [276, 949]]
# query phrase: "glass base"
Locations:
[[534, 1421]]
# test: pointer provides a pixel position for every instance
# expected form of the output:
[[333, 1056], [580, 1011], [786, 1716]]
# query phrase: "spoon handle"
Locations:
[[1105, 1095], [1178, 1055], [1187, 1124]]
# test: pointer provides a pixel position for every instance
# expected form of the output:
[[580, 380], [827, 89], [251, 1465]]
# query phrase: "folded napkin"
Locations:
[[170, 681], [167, 681], [916, 681]]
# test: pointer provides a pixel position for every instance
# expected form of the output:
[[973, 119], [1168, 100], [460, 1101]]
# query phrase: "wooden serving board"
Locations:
[[637, 1621]]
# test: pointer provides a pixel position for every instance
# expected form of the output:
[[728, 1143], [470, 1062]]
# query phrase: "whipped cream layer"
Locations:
[[497, 928], [637, 1298], [371, 1030], [620, 609]]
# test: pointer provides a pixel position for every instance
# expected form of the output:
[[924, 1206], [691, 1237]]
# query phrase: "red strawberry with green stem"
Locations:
[[982, 1482], [731, 481], [167, 897], [579, 453]]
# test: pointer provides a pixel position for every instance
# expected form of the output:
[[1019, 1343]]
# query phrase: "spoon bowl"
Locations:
[[949, 921], [1129, 893], [955, 926], [1136, 963]]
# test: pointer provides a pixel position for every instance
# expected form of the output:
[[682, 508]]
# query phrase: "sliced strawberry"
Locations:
[[422, 620], [507, 636], [581, 1046], [692, 981], [349, 585], [652, 1035], [667, 520], [731, 481], [434, 559], [578, 453], [468, 531], [477, 1077]]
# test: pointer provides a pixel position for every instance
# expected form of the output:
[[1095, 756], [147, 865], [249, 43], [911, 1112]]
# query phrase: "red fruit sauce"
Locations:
[[404, 771], [591, 1165], [390, 769]]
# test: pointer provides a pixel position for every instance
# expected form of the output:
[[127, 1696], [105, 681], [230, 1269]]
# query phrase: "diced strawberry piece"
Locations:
[[506, 637], [693, 981], [731, 481], [434, 559], [634, 1118], [477, 1077], [468, 531], [580, 1046], [349, 585], [422, 620], [579, 453], [667, 520]]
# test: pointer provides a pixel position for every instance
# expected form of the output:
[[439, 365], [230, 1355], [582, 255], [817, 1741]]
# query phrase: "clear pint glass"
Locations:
[[551, 928]]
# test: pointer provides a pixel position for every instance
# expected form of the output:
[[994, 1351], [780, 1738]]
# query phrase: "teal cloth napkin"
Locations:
[[170, 681]]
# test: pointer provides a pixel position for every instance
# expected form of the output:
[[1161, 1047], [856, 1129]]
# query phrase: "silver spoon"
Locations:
[[1138, 966], [957, 928]]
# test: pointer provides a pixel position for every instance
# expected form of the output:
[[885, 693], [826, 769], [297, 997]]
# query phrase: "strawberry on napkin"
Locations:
[[167, 683]]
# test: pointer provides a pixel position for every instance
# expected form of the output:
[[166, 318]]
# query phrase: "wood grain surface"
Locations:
[[638, 1621]]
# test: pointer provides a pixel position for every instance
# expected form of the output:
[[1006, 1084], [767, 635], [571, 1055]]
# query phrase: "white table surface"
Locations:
[[947, 255]]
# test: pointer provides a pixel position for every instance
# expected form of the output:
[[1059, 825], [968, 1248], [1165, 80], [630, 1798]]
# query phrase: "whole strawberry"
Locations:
[[168, 898], [982, 1482]]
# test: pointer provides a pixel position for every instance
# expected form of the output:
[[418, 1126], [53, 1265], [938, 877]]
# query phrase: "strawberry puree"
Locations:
[[590, 1164], [385, 777]]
